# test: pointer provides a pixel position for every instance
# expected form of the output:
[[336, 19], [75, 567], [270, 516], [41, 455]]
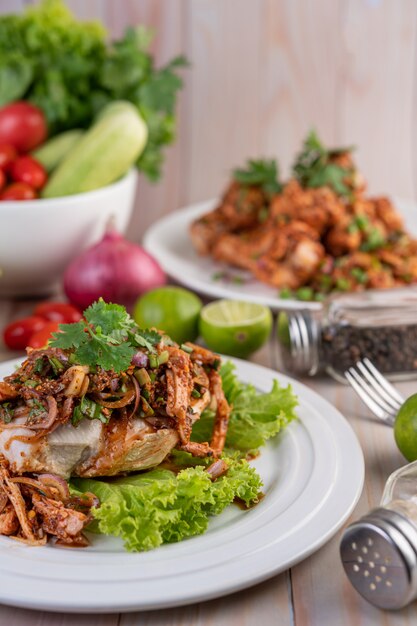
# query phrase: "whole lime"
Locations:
[[173, 310], [235, 328], [405, 428]]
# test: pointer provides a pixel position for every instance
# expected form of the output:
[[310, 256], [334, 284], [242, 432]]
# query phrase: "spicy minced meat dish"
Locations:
[[317, 233], [104, 398]]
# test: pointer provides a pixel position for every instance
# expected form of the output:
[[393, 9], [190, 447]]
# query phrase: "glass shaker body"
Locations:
[[378, 324]]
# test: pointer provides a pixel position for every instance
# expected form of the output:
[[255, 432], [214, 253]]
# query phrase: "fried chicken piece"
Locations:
[[386, 212], [302, 258], [239, 209], [318, 208]]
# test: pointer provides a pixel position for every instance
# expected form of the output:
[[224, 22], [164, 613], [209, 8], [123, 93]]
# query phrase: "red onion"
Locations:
[[140, 359], [115, 269]]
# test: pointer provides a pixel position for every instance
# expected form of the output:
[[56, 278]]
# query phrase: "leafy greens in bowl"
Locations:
[[68, 69]]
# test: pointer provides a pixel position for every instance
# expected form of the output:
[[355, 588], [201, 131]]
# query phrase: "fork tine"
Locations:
[[373, 406], [379, 386], [384, 411], [392, 390]]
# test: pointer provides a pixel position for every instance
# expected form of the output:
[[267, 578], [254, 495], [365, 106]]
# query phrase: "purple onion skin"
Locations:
[[140, 359], [114, 269]]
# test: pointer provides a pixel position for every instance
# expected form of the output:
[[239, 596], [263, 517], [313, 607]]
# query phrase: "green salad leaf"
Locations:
[[255, 417], [68, 69], [159, 506]]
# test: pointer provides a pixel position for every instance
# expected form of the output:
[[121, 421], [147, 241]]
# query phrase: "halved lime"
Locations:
[[234, 327], [405, 428], [172, 309]]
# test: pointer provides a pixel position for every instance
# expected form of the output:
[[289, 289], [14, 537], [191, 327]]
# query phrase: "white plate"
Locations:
[[168, 240], [313, 475]]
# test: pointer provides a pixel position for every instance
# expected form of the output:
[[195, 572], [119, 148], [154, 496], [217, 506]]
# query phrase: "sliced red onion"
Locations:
[[56, 482], [140, 359]]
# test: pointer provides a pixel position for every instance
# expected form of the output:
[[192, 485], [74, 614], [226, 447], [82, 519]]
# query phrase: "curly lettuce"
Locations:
[[159, 506], [255, 417]]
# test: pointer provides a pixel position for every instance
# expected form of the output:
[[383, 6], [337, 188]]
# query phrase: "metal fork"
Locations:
[[375, 390]]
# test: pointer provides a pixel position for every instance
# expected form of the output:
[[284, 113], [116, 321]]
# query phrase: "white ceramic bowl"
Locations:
[[39, 238]]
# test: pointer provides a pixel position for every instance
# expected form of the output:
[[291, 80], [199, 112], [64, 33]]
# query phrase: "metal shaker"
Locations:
[[379, 551]]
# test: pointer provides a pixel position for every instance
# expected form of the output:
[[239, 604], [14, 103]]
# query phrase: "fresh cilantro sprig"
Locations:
[[314, 167], [107, 337], [260, 173]]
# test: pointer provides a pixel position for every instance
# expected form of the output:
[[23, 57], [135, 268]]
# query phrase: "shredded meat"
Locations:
[[61, 522], [221, 421]]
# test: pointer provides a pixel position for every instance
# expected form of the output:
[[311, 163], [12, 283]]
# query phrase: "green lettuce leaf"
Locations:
[[255, 416], [159, 506]]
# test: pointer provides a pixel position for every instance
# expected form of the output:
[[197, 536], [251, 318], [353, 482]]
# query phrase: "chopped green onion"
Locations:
[[360, 275], [304, 293], [147, 408], [195, 393], [186, 348], [56, 365], [142, 377], [163, 357], [342, 284], [286, 294], [153, 361], [30, 383]]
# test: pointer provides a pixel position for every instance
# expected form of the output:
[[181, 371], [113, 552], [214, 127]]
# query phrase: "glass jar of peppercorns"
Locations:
[[378, 324]]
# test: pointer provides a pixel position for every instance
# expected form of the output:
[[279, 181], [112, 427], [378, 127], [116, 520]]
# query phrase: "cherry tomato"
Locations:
[[22, 125], [2, 179], [7, 155], [40, 338], [17, 334], [18, 191], [26, 169], [58, 312]]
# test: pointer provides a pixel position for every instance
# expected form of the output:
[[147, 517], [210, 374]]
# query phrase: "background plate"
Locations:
[[169, 242], [313, 475]]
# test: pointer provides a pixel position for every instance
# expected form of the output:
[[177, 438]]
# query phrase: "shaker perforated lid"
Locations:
[[379, 555]]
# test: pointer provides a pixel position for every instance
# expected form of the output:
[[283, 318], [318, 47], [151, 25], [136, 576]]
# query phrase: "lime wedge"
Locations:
[[234, 327]]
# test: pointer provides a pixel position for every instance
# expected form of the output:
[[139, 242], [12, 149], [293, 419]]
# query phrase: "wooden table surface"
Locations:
[[314, 592]]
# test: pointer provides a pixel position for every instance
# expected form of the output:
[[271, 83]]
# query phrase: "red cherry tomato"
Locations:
[[2, 179], [22, 125], [26, 169], [17, 334], [18, 191], [40, 338], [58, 312], [7, 155]]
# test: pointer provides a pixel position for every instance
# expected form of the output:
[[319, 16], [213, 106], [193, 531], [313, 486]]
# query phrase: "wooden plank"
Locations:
[[300, 64], [265, 604], [224, 38], [377, 106], [10, 616]]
